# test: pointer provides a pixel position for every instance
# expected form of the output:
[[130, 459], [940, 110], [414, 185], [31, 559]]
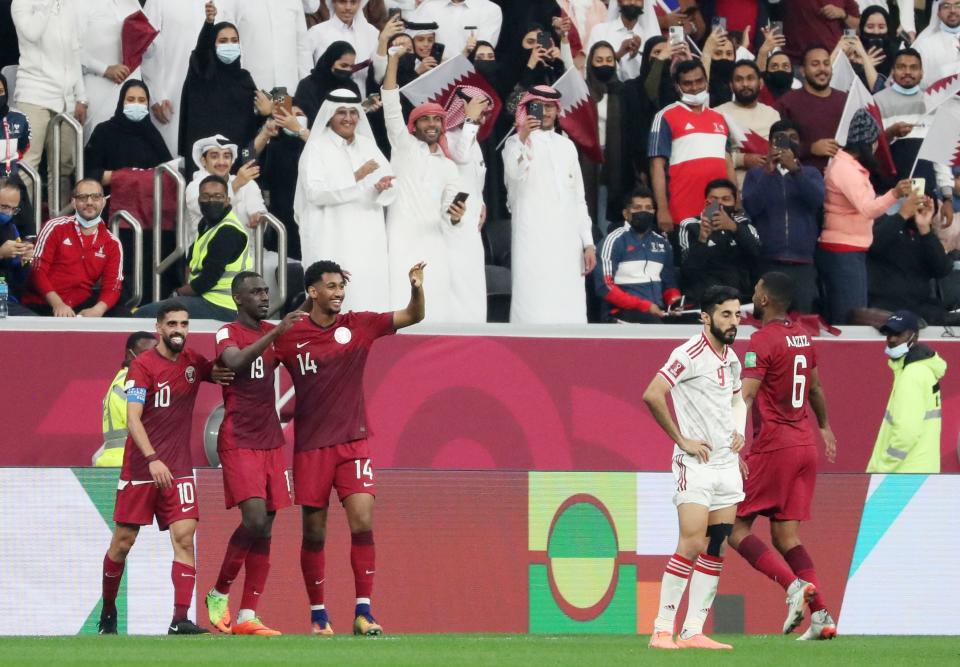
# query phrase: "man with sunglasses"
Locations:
[[73, 254]]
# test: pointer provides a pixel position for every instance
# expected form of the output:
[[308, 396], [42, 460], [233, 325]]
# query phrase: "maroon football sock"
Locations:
[[313, 564], [363, 560], [766, 560], [112, 575], [802, 565], [257, 568], [237, 549], [184, 577]]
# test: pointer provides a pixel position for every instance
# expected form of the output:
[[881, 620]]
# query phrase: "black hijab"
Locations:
[[597, 87], [888, 42], [5, 107], [313, 89]]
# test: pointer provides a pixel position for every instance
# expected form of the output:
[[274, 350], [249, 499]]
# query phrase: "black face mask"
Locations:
[[778, 82], [488, 69], [631, 12], [604, 73], [4, 108], [342, 75], [875, 42], [721, 70], [642, 221], [213, 211]]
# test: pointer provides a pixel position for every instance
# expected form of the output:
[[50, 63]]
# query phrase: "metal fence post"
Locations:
[[54, 168], [137, 228]]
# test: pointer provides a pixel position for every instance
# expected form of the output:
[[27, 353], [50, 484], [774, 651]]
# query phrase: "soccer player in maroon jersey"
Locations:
[[325, 354], [156, 479], [250, 446], [779, 379]]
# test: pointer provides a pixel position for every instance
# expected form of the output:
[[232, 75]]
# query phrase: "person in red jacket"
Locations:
[[73, 254]]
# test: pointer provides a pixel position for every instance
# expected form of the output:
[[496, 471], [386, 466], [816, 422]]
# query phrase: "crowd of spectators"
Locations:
[[727, 146]]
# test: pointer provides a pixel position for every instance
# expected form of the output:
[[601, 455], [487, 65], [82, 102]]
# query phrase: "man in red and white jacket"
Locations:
[[73, 254]]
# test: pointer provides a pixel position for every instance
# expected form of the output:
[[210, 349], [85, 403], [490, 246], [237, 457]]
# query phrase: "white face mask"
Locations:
[[87, 224], [700, 99], [897, 352]]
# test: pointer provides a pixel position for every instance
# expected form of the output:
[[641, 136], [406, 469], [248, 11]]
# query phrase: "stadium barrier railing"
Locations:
[[78, 169], [115, 220]]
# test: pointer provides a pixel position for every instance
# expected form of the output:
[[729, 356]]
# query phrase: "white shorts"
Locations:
[[714, 488]]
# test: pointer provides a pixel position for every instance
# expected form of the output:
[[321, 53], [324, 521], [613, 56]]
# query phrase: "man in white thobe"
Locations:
[[427, 184], [276, 49], [103, 68], [468, 280], [939, 43], [455, 16], [165, 62], [552, 245], [344, 183], [626, 33], [347, 24]]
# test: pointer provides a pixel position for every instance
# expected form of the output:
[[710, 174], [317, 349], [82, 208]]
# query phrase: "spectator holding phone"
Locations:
[[541, 60], [16, 250], [810, 22], [783, 199], [625, 33], [334, 70]]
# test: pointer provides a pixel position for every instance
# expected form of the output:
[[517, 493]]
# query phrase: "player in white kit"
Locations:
[[703, 377]]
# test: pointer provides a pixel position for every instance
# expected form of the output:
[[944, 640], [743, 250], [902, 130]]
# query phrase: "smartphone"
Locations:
[[712, 209], [461, 198], [720, 22], [394, 11], [781, 141], [436, 51], [245, 156], [919, 186], [470, 29], [280, 97], [535, 109], [777, 26], [850, 33], [543, 40], [372, 100], [30, 238], [677, 35]]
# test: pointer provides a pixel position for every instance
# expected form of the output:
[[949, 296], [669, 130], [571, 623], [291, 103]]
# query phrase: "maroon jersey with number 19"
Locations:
[[168, 391], [246, 424], [326, 364], [782, 357]]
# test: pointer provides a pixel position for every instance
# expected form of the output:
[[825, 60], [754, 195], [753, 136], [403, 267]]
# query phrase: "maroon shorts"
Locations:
[[780, 484], [346, 467], [138, 502], [255, 473]]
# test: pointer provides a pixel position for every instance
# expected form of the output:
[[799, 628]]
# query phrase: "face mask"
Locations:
[[950, 31], [897, 352], [906, 91], [136, 112], [722, 70], [302, 120], [342, 75], [874, 42], [604, 72], [642, 222], [779, 81], [5, 218], [700, 99], [212, 210], [228, 53], [87, 224], [487, 68], [631, 12], [3, 105]]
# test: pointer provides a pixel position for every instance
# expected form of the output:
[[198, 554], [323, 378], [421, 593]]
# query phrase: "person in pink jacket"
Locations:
[[850, 207]]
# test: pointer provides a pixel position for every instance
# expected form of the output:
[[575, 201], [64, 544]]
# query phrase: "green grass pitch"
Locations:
[[468, 650]]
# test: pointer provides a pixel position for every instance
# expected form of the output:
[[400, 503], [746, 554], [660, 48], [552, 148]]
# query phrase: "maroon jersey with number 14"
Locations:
[[782, 357], [168, 390], [249, 420], [326, 364]]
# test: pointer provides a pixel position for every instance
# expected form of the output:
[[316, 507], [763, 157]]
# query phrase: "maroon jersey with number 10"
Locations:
[[248, 419], [326, 364], [782, 357], [168, 391]]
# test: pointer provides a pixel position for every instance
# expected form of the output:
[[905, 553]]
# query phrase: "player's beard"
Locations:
[[175, 346], [758, 311], [726, 337]]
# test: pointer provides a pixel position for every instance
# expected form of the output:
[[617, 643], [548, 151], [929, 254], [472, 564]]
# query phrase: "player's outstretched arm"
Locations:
[[656, 399], [818, 401], [236, 359], [158, 469], [416, 309]]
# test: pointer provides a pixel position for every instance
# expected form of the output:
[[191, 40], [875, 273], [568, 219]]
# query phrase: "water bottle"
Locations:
[[4, 295]]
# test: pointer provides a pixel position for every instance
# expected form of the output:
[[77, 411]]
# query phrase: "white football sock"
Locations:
[[703, 589], [671, 592], [245, 615]]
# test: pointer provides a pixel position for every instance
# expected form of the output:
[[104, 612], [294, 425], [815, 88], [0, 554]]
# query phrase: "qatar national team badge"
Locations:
[[342, 335], [190, 374]]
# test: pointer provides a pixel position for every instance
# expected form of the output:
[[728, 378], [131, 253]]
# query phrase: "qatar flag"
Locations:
[[438, 85], [942, 144], [136, 36], [745, 139], [579, 119], [942, 89]]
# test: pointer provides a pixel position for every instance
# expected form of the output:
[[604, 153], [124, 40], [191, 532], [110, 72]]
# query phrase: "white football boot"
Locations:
[[821, 627], [799, 595]]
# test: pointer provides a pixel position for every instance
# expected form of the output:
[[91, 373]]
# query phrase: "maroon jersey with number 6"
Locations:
[[782, 357], [326, 364], [168, 390], [249, 418]]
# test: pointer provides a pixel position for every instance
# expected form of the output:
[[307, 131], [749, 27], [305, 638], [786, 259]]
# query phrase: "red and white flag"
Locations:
[[858, 97], [745, 139], [843, 74], [438, 85], [579, 119], [942, 89], [942, 143]]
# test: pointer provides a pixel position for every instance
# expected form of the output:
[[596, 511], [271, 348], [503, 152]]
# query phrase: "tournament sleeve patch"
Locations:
[[129, 385], [750, 360], [137, 395], [223, 334], [676, 369]]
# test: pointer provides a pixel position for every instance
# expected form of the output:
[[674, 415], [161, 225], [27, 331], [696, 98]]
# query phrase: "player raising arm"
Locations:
[[703, 378], [326, 354], [250, 445], [780, 376]]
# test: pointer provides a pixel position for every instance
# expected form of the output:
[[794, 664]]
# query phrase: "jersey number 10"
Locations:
[[799, 381], [162, 398]]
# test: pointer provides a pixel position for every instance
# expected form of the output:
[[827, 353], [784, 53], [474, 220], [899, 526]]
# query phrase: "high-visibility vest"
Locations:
[[114, 423], [220, 293]]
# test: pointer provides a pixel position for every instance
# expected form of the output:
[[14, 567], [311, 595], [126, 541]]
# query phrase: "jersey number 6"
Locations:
[[799, 381]]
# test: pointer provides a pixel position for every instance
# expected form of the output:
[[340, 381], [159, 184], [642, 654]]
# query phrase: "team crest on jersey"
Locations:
[[676, 369], [750, 360], [342, 335], [190, 374]]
